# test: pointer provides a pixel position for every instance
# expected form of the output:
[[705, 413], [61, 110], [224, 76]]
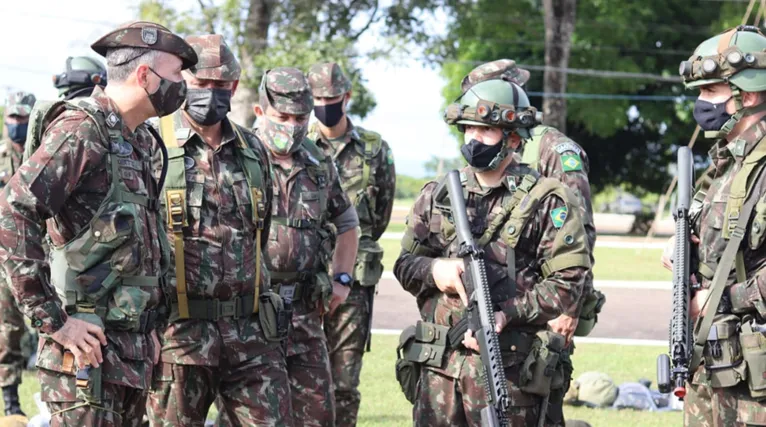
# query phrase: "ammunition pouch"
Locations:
[[369, 268], [275, 318], [542, 371], [753, 344], [723, 354], [594, 302], [422, 344], [407, 371]]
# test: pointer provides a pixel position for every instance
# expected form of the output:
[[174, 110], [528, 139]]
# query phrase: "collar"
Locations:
[[187, 134], [111, 113]]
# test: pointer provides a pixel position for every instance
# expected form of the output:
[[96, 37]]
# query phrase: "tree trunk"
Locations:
[[256, 34], [559, 26]]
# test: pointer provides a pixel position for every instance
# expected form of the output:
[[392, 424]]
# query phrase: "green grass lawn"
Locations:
[[384, 405], [611, 263], [395, 227]]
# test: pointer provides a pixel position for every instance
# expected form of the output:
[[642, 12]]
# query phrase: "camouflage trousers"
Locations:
[[120, 406], [705, 406], [308, 365], [346, 331], [455, 396], [555, 414], [252, 393], [12, 329]]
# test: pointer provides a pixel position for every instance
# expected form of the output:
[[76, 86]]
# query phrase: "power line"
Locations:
[[609, 96], [575, 46]]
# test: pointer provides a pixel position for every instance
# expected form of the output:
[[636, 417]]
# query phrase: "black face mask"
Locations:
[[711, 116], [330, 114], [480, 155], [208, 106], [168, 97]]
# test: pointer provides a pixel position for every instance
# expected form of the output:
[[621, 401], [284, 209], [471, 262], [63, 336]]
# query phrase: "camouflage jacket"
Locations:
[[219, 251], [306, 200], [10, 161], [538, 299], [556, 156], [709, 218], [374, 203], [65, 183]]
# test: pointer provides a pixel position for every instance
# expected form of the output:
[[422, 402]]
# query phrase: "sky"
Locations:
[[41, 34]]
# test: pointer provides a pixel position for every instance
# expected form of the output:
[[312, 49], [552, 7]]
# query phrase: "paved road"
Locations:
[[629, 313]]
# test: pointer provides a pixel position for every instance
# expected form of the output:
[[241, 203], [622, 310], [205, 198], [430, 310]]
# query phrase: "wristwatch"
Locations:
[[344, 279]]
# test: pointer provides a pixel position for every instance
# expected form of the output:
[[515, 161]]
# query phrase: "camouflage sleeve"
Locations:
[[385, 182], [419, 247], [69, 151], [337, 201], [563, 249], [562, 159]]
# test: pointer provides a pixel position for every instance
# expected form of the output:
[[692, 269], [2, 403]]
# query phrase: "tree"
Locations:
[[437, 166], [268, 33], [559, 26]]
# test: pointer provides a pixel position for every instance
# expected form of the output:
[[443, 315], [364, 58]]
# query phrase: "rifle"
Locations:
[[371, 291], [680, 331], [477, 287]]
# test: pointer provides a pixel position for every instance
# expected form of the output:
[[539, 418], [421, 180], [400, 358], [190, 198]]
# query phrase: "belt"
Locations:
[[214, 309]]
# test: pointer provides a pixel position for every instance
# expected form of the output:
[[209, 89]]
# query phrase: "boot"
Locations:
[[11, 399]]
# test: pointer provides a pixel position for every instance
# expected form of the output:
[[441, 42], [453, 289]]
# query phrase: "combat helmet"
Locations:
[[736, 57], [494, 103], [81, 73]]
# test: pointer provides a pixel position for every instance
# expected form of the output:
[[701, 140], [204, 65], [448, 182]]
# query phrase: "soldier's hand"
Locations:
[[83, 339], [698, 303], [667, 253], [339, 295], [470, 342], [564, 325], [446, 274]]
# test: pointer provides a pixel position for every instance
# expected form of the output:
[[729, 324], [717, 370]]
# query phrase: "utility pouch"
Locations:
[[407, 371], [542, 364], [274, 318], [368, 269], [594, 302], [126, 305], [753, 343], [89, 384], [723, 354], [322, 292]]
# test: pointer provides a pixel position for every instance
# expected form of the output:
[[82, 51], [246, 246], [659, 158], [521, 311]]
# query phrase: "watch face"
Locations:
[[344, 278]]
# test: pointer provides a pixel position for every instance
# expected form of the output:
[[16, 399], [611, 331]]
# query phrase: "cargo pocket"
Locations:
[[369, 269], [754, 352], [125, 308], [723, 353], [132, 353], [751, 412]]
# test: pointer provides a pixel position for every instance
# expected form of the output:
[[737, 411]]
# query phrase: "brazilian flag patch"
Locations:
[[559, 215], [571, 162]]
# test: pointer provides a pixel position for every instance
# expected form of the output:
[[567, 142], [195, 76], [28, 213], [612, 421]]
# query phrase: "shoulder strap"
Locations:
[[372, 143], [741, 187]]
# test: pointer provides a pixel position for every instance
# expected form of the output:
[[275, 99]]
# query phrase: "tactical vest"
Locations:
[[91, 272], [531, 155], [39, 118], [177, 209]]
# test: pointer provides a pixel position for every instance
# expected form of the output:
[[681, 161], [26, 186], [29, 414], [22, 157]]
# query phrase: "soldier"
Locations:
[[82, 75], [727, 370], [310, 208], [219, 183], [93, 181], [358, 153], [12, 327], [555, 155], [535, 248]]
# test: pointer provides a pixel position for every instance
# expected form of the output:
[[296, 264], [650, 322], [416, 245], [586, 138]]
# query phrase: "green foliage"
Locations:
[[408, 187], [432, 165], [650, 36]]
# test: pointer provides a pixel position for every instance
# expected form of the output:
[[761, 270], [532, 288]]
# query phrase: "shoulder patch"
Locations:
[[568, 146], [558, 216], [571, 162]]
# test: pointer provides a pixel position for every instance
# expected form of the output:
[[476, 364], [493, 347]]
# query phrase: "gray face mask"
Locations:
[[208, 106]]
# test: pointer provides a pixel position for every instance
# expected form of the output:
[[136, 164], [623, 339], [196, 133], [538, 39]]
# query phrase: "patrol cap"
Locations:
[[147, 35], [286, 90], [504, 69], [20, 104], [215, 59], [328, 81]]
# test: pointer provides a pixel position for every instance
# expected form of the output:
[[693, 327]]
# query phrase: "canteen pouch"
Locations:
[[274, 318], [369, 268], [723, 353], [594, 302], [407, 371], [541, 369], [753, 343]]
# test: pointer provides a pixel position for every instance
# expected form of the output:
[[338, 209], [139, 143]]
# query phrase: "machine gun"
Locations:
[[673, 370], [480, 311]]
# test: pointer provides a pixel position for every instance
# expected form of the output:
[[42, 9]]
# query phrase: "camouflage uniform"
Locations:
[[554, 155], [93, 181], [219, 354], [12, 327], [308, 201], [359, 155], [453, 394]]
